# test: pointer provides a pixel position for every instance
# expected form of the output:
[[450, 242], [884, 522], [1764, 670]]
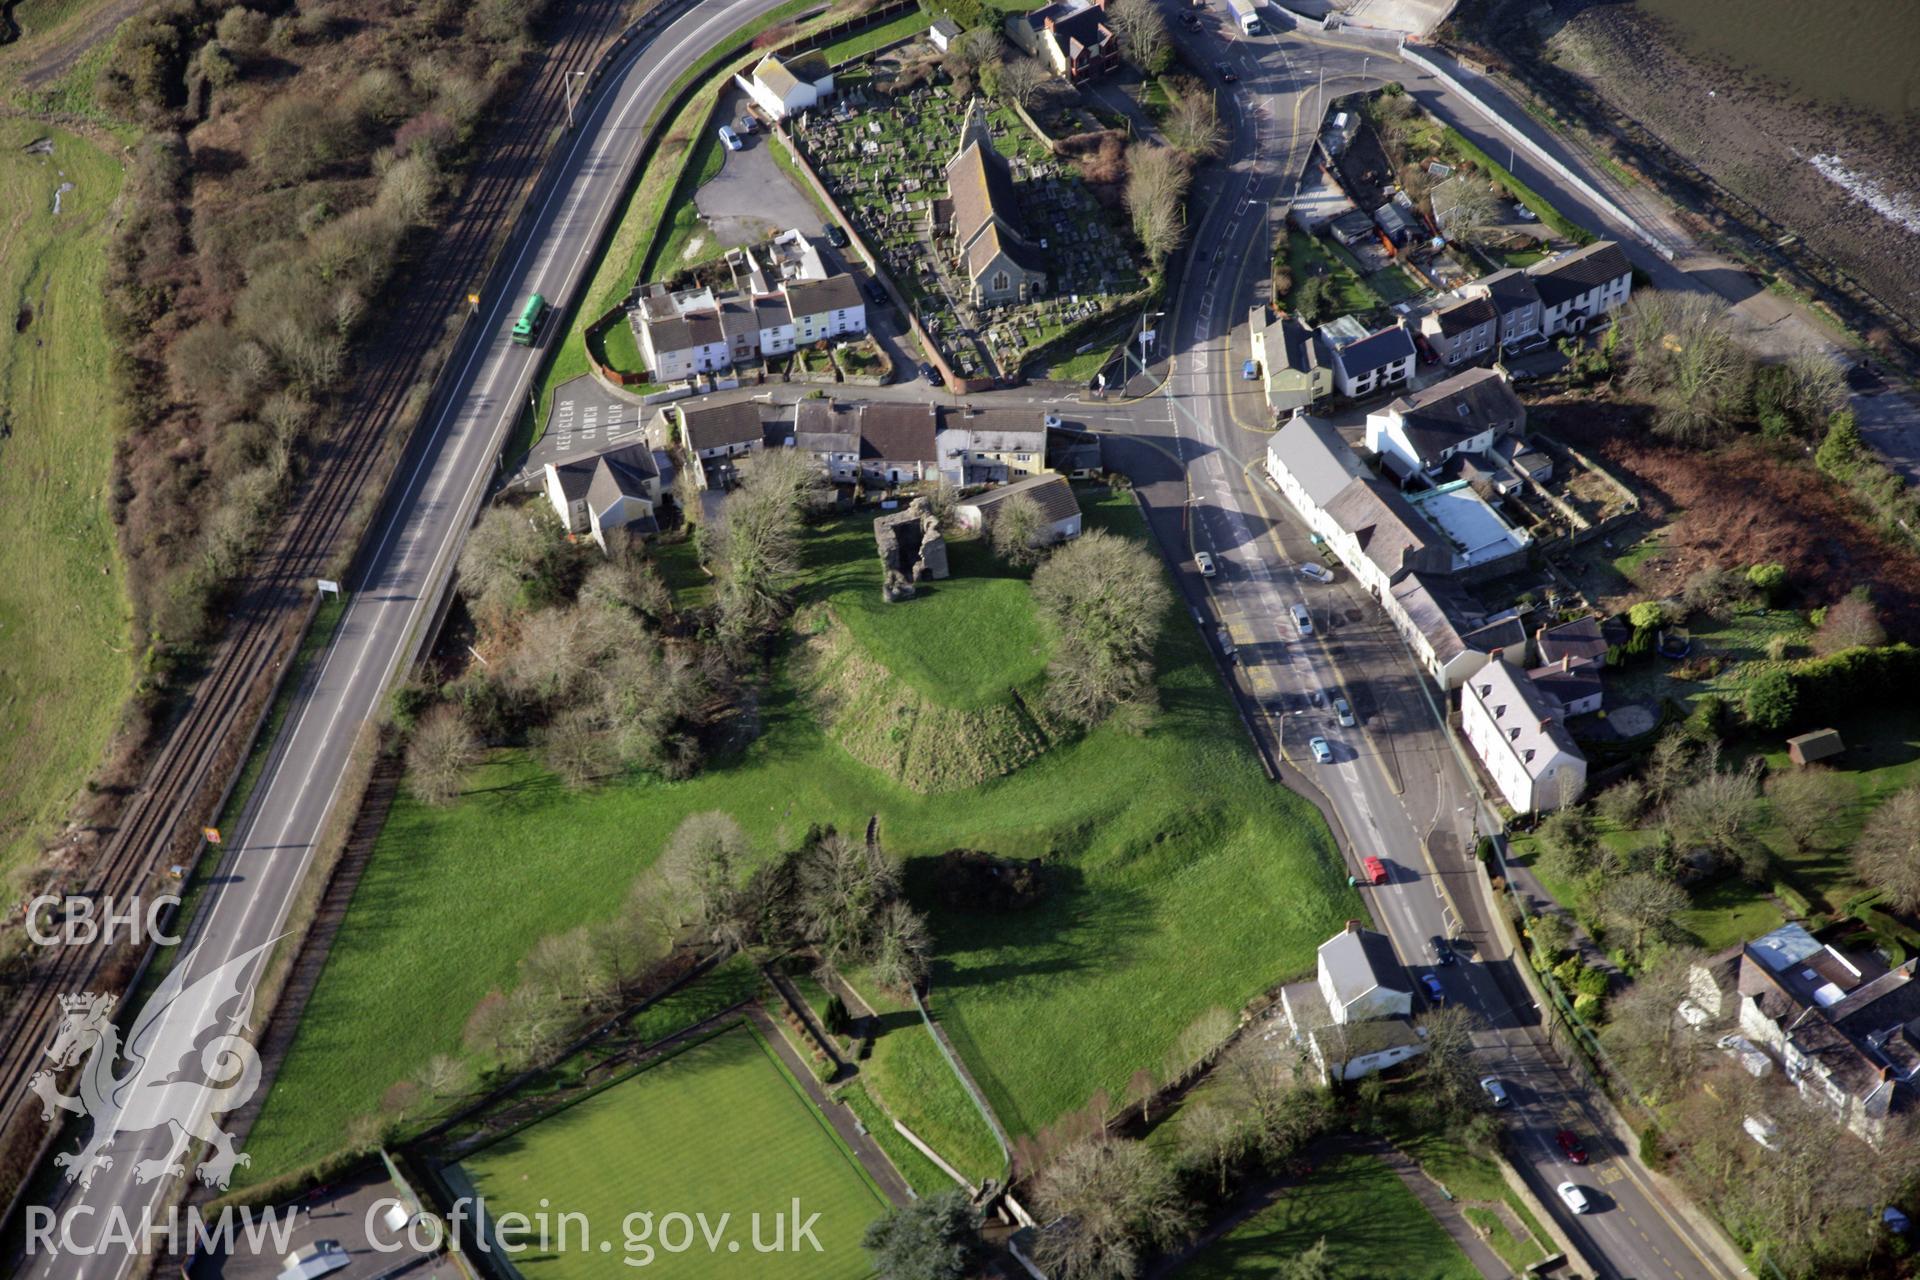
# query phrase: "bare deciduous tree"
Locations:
[[1019, 530], [1198, 1043], [1685, 354], [515, 558], [442, 754], [903, 947], [1193, 125], [1722, 811], [1214, 1141], [1809, 802], [700, 868], [1888, 853], [1474, 212], [1115, 1202], [1448, 1062], [1850, 623], [1644, 1030], [1142, 30], [445, 1075], [1021, 79], [1157, 179], [1642, 905]]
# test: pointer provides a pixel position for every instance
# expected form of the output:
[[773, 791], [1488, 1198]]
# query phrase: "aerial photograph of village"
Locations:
[[960, 639]]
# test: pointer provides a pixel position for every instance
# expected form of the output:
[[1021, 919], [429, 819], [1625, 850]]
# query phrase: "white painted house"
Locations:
[[1578, 288], [783, 89], [599, 493], [1514, 726], [1419, 432], [822, 310]]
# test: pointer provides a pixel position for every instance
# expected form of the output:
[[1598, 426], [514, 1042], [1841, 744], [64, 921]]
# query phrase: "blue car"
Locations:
[[1250, 370], [1435, 992]]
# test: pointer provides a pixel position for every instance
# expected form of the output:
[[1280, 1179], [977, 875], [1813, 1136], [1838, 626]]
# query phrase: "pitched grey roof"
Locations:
[[813, 297], [1527, 716], [998, 430], [1311, 450], [1437, 609], [1444, 414], [713, 425], [1052, 494], [1572, 274], [1390, 532], [1508, 633], [1567, 681], [946, 28], [1468, 313], [736, 317], [770, 311], [892, 432], [624, 473], [1357, 961], [1510, 290], [1375, 351], [1581, 640]]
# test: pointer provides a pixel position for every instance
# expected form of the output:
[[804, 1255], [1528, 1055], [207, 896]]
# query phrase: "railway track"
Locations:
[[161, 823]]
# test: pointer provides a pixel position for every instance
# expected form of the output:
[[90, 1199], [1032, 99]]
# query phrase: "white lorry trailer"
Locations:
[[1247, 14]]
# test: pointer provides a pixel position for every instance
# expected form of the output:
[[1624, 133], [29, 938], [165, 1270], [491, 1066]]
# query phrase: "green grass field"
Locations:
[[720, 988], [1184, 880], [1374, 1227], [923, 1175], [64, 665], [879, 37], [964, 642], [719, 1128]]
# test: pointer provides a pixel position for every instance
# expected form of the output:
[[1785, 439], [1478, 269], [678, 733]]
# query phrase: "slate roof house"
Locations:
[[897, 442], [1072, 37], [1517, 301], [1051, 493], [1463, 330], [1355, 1016], [1369, 362], [715, 434], [1579, 287], [1291, 369], [1417, 433], [1515, 725], [984, 222], [599, 493], [1842, 1024]]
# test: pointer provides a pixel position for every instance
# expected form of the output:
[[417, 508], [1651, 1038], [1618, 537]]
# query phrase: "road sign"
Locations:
[[329, 587], [212, 834]]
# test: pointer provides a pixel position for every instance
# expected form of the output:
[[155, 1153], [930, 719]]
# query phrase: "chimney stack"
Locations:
[[1353, 926]]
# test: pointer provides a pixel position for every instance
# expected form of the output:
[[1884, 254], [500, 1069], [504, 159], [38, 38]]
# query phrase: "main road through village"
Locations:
[[1396, 788]]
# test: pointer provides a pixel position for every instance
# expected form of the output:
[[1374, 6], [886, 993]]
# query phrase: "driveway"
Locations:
[[752, 197]]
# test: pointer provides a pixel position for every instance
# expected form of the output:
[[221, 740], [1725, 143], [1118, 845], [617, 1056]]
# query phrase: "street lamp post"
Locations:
[[566, 85]]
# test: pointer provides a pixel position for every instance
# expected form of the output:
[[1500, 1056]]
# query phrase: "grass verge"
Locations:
[[1561, 224], [1374, 1228], [65, 668]]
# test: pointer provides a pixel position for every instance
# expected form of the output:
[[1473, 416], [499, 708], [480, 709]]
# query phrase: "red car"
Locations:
[[1376, 870], [1571, 1145]]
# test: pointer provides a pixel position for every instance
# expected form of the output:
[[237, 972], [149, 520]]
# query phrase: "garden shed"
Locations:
[[1821, 744]]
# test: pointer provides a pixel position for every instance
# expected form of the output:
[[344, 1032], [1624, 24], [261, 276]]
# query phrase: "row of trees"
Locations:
[[240, 277]]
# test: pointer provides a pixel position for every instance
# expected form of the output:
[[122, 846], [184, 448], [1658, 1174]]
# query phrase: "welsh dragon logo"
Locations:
[[151, 1093]]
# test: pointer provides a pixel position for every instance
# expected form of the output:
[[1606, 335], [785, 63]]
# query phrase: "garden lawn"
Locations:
[[622, 351], [719, 1128], [1307, 257], [1373, 1226], [64, 663], [865, 42], [1182, 879]]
